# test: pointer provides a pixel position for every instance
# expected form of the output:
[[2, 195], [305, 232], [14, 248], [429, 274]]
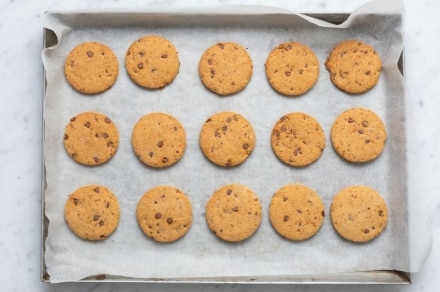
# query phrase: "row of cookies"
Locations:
[[225, 68], [226, 138], [233, 213]]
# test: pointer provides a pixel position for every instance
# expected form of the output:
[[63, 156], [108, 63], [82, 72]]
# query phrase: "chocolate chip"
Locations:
[[75, 202], [350, 120], [164, 160], [209, 61], [164, 56], [107, 120], [151, 154], [87, 125], [287, 73], [365, 124], [366, 231], [66, 137], [73, 119], [245, 146], [101, 223], [169, 220], [298, 211], [89, 54], [228, 120], [96, 190], [286, 218], [96, 159], [224, 128], [105, 135], [360, 132], [222, 46], [158, 216], [229, 192], [160, 144], [323, 213], [96, 217], [235, 209], [140, 66], [367, 141], [380, 213]]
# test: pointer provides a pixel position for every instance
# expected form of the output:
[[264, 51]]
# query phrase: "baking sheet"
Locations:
[[200, 255]]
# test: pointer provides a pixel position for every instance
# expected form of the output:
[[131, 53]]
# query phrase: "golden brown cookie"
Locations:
[[91, 138], [292, 68], [225, 68], [359, 213], [227, 139], [152, 62], [296, 212], [92, 212], [233, 212], [91, 67], [358, 135], [159, 140], [354, 66], [164, 213], [297, 139]]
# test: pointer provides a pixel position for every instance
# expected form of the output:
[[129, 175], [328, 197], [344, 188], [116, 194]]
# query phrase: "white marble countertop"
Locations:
[[20, 131]]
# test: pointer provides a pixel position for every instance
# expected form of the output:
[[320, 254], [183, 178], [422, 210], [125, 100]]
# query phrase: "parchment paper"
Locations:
[[199, 254]]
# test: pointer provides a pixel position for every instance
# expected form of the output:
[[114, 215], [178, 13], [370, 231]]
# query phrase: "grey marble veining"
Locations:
[[20, 131]]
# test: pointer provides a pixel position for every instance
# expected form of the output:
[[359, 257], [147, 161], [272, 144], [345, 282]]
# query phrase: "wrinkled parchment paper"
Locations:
[[199, 254]]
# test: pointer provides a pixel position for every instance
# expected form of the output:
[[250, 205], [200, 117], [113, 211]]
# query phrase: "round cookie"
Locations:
[[92, 212], [233, 212], [296, 212], [358, 135], [225, 68], [91, 138], [359, 213], [227, 139], [164, 214], [152, 62], [292, 68], [354, 66], [91, 68], [159, 140], [297, 139]]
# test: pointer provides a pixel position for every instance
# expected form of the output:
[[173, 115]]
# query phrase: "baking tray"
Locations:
[[366, 277]]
